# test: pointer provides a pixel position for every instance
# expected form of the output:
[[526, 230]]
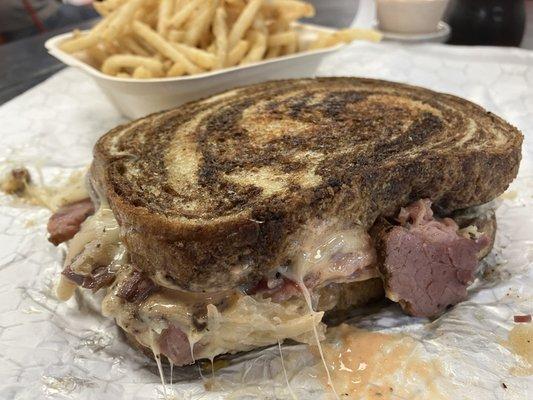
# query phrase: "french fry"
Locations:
[[206, 39], [101, 8], [220, 30], [114, 4], [142, 39], [115, 63], [178, 4], [259, 43], [351, 34], [200, 57], [81, 42], [134, 47], [320, 42], [165, 11], [97, 55], [164, 47], [142, 72], [121, 19], [149, 13], [275, 26], [176, 36], [345, 36], [143, 43], [212, 48], [273, 52], [176, 70], [150, 18], [200, 24], [245, 20], [291, 47], [291, 10], [111, 47], [233, 9], [236, 54], [182, 15], [259, 24], [282, 39], [279, 25], [105, 8]]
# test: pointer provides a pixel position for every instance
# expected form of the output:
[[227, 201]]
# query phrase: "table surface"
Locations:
[[25, 63]]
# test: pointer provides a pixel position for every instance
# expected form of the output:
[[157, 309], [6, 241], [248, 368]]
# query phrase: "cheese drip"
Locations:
[[96, 244], [249, 322], [331, 254]]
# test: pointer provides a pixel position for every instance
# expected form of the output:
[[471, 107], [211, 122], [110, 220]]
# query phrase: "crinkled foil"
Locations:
[[54, 350]]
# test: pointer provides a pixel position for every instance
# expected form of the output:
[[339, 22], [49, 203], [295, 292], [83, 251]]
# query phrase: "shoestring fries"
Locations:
[[145, 39]]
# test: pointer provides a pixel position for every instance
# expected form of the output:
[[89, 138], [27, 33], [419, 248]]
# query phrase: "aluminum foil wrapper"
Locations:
[[54, 350]]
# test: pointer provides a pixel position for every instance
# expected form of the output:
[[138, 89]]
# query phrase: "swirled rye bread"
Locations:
[[224, 208]]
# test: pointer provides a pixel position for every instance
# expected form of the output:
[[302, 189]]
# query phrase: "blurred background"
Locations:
[[26, 24], [472, 22]]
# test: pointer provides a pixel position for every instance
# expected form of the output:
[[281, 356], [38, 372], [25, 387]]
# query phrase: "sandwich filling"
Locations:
[[425, 263]]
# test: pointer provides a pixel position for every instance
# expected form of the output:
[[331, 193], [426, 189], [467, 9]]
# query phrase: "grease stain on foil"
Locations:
[[520, 342], [379, 366]]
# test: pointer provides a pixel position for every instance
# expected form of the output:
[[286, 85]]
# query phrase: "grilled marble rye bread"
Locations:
[[212, 194]]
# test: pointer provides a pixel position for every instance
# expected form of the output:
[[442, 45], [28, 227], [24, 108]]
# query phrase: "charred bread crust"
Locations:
[[379, 145]]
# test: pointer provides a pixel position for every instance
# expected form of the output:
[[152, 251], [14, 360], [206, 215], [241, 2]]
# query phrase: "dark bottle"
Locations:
[[486, 22]]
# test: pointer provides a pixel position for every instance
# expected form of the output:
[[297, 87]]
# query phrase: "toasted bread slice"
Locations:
[[215, 193]]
